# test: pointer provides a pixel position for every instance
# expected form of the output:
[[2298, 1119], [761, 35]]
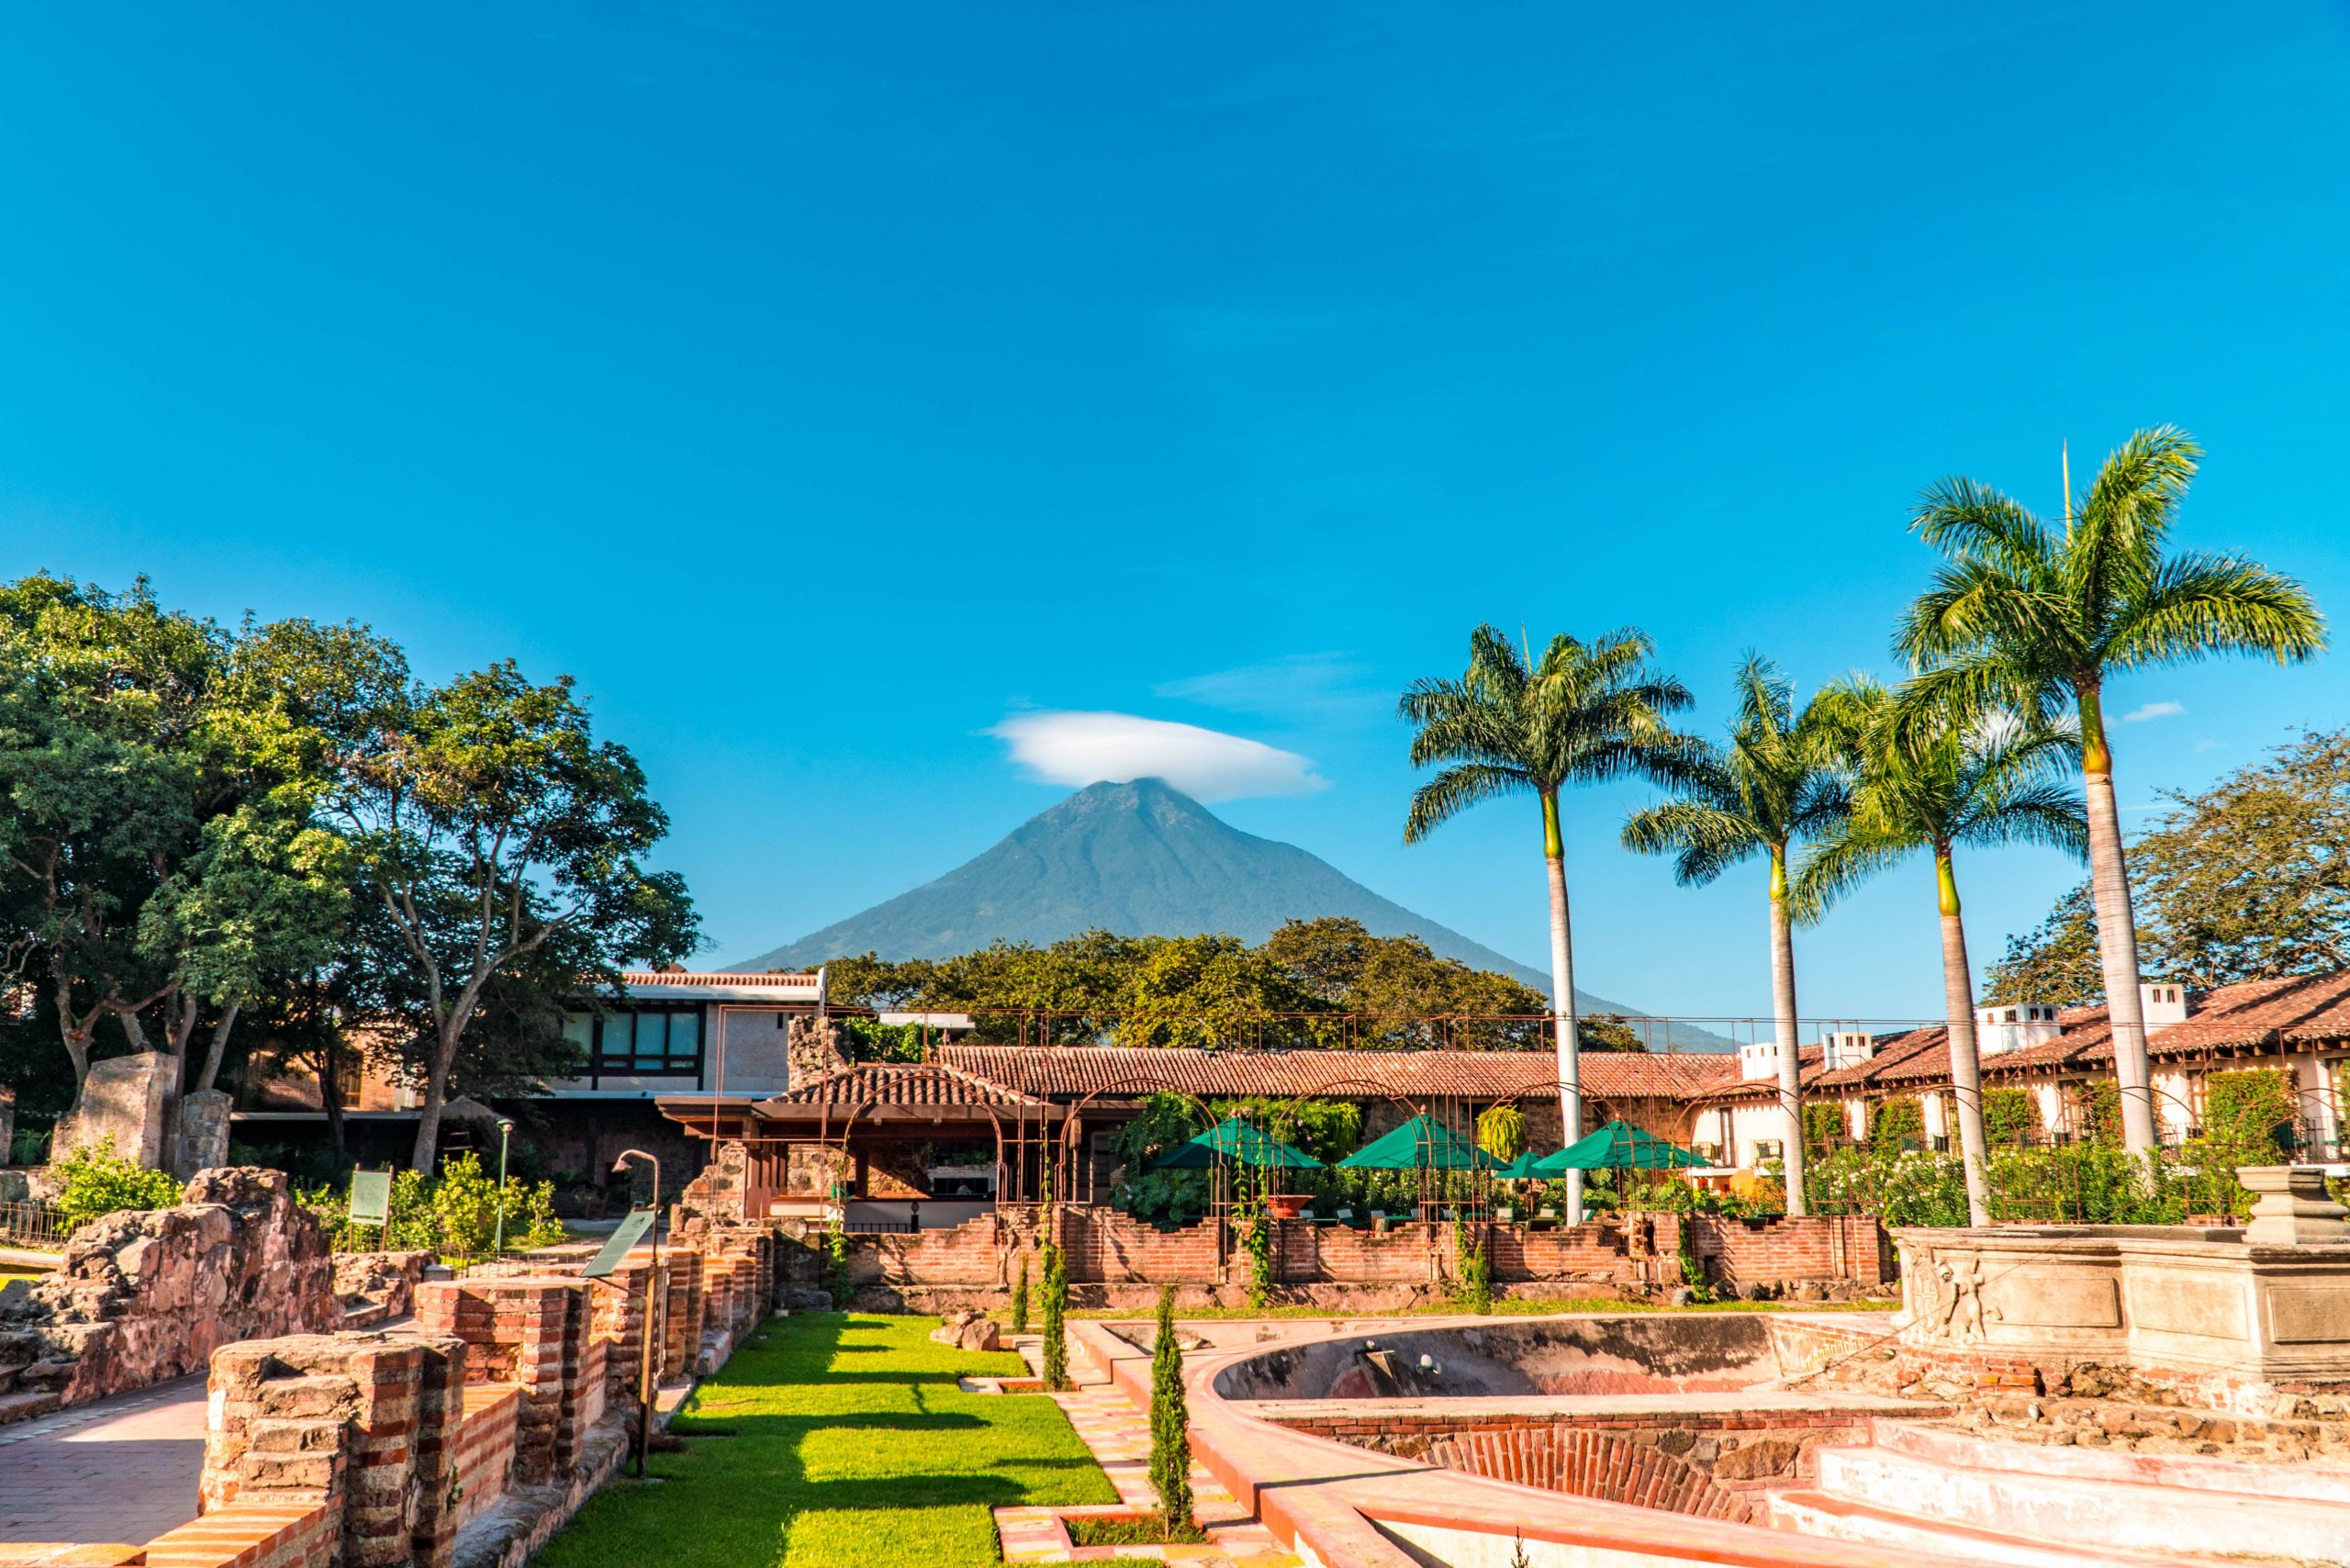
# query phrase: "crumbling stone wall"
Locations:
[[377, 1286], [125, 1099], [534, 1333], [143, 1297], [369, 1423]]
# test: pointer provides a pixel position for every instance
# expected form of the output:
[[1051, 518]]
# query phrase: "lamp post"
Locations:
[[656, 1301], [505, 1130]]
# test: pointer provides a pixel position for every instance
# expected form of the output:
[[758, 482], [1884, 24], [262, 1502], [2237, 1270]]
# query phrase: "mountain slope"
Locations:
[[1140, 858]]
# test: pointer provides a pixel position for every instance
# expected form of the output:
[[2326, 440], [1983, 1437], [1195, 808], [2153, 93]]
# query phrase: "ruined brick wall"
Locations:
[[969, 1254], [285, 1531], [384, 1282], [368, 1422], [143, 1297], [1104, 1247], [681, 1314], [534, 1333], [1793, 1248], [722, 1188], [485, 1444]]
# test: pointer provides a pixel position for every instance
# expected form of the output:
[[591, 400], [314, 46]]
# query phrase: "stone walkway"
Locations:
[[124, 1469], [1119, 1437]]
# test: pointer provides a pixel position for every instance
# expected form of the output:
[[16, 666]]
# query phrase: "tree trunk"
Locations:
[[1965, 1063], [1563, 998], [1783, 1020], [77, 1036], [218, 1048], [436, 1094], [2117, 933], [330, 1095]]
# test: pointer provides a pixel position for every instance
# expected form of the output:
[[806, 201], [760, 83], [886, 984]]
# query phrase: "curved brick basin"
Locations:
[[1682, 1353]]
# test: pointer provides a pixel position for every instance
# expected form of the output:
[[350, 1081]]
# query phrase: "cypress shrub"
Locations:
[[1171, 1428], [1056, 1305], [1020, 1297]]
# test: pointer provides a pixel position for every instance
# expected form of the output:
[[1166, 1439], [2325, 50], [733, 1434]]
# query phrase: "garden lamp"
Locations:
[[505, 1130], [656, 1297]]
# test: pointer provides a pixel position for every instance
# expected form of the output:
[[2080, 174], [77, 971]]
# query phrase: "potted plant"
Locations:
[[1286, 1205]]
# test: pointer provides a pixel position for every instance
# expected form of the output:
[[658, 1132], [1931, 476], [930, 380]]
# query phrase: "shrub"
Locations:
[[1896, 1124], [1055, 1312], [1476, 1290], [97, 1183], [1170, 1426], [1823, 1126], [1501, 1132], [837, 1281], [2010, 1115], [1020, 1297], [2252, 1111], [452, 1215]]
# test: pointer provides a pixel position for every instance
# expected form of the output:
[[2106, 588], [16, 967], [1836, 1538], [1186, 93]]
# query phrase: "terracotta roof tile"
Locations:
[[1068, 1072], [916, 1085]]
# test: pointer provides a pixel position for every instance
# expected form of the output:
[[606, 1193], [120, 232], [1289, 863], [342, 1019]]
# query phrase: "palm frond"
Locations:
[[2048, 813], [2198, 604], [1973, 522], [1454, 790], [1706, 839], [1837, 863]]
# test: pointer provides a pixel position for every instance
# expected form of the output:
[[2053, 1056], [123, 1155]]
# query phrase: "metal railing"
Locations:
[[36, 1226]]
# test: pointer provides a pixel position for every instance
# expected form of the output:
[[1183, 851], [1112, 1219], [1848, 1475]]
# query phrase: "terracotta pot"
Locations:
[[1286, 1205]]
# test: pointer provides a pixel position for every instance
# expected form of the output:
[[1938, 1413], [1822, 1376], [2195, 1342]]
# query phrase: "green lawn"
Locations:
[[851, 1446]]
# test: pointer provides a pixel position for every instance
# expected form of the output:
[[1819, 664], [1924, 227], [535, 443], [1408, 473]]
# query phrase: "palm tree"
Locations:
[[1935, 780], [1583, 713], [2023, 617], [1774, 783]]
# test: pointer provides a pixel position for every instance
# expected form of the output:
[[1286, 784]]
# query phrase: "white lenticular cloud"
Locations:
[[2146, 711], [1094, 749]]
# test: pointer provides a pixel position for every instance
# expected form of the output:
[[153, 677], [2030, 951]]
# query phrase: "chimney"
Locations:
[[2161, 1004], [1759, 1059], [1845, 1047], [2014, 1026]]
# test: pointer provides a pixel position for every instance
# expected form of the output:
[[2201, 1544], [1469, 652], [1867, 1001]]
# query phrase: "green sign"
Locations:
[[632, 1231], [370, 1197]]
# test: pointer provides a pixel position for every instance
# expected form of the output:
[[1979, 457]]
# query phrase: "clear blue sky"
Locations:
[[822, 384]]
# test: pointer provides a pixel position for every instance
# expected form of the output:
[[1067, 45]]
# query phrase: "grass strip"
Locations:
[[850, 1445]]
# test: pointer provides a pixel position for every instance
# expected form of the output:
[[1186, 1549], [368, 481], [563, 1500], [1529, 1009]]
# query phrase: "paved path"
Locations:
[[124, 1469]]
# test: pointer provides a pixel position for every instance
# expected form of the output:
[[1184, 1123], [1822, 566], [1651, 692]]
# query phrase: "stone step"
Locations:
[[27, 1406], [1940, 1541], [2129, 1515], [2316, 1483]]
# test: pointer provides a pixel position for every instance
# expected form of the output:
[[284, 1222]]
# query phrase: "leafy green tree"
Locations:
[[491, 827], [1170, 1426], [1932, 780], [2056, 961], [1583, 713], [1774, 785], [2025, 618], [1203, 991], [1501, 1132]]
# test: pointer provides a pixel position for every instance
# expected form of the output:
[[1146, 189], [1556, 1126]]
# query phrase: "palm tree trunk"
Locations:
[[1783, 1021], [2117, 933], [1563, 998], [1965, 1062]]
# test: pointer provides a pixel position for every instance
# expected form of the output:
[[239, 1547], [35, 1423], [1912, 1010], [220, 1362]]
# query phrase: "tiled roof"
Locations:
[[1068, 1072], [716, 979], [2298, 1010], [1733, 1087], [922, 1086]]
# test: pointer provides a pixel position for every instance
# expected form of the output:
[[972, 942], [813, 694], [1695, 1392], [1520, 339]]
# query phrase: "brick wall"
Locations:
[[368, 1422], [1814, 1246], [616, 1320], [969, 1254], [288, 1532], [533, 1333], [1106, 1246], [485, 1459], [681, 1316]]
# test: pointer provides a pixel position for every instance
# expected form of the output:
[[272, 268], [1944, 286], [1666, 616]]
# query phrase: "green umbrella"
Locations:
[[1526, 1167], [1618, 1146], [1233, 1138], [1420, 1144]]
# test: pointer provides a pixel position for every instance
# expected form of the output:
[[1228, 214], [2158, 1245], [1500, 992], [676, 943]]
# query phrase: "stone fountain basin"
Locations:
[[1677, 1353]]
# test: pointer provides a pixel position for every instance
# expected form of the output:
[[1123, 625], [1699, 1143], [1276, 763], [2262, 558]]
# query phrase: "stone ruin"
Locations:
[[144, 1297], [135, 1101]]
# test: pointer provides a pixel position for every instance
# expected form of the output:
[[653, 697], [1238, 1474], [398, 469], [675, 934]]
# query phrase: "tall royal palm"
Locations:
[[1774, 783], [1933, 780], [2035, 620], [1583, 713]]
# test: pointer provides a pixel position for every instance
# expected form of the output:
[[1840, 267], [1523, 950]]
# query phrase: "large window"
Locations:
[[644, 1041]]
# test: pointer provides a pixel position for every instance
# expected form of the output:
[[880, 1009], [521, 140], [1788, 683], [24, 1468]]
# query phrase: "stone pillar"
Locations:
[[534, 1332], [2293, 1208], [368, 1422], [617, 1321], [681, 1325], [201, 1141], [124, 1098]]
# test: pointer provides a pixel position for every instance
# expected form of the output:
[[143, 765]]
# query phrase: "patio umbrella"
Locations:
[[1618, 1146], [1421, 1143], [1526, 1167], [1233, 1138]]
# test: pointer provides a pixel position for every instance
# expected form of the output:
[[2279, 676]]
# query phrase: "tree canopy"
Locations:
[[2247, 879]]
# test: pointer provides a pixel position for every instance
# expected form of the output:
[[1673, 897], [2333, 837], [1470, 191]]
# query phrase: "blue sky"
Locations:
[[824, 386]]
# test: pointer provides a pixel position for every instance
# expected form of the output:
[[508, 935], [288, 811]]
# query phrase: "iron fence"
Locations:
[[37, 1225]]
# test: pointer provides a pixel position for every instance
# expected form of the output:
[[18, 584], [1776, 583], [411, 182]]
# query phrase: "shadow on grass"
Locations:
[[887, 1465]]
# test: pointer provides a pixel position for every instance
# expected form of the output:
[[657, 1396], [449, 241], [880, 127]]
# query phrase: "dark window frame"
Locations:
[[601, 1066]]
